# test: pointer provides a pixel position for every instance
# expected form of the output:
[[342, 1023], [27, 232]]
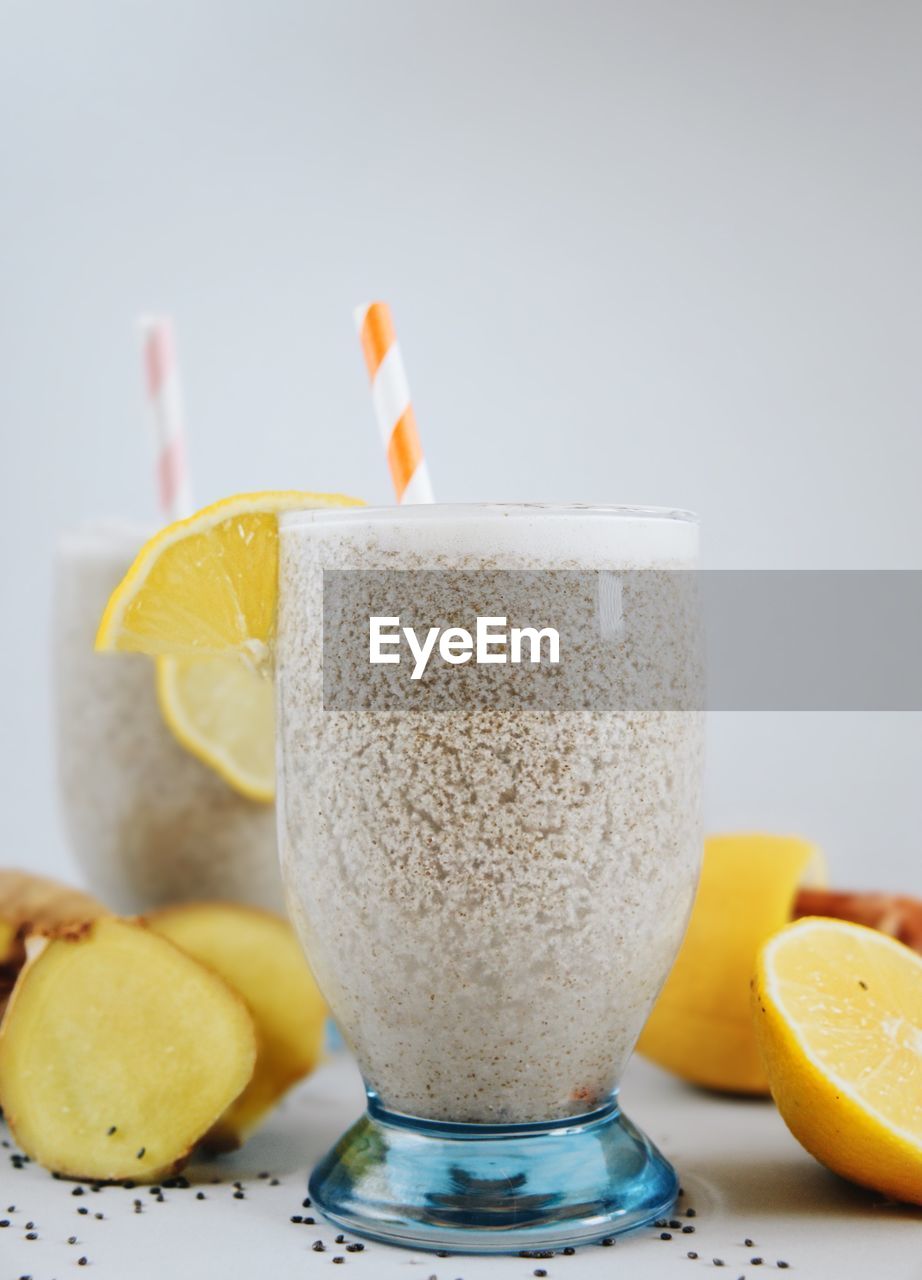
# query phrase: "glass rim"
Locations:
[[433, 511]]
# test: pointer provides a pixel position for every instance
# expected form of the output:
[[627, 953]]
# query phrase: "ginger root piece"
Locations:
[[32, 904], [890, 913], [118, 1052], [258, 954]]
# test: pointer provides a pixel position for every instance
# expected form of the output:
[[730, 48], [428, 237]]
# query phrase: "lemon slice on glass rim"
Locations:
[[201, 598]]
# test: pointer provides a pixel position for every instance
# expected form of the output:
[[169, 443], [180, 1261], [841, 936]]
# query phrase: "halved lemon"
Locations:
[[701, 1025], [201, 597], [838, 1015]]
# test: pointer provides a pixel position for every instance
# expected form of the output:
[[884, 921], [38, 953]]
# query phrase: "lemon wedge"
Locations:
[[223, 711], [838, 1017]]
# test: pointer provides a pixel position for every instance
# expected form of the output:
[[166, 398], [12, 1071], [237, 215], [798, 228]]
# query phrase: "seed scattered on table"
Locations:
[[338, 1258], [691, 1254], [665, 1235], [688, 1230], [318, 1246], [83, 1209], [200, 1195]]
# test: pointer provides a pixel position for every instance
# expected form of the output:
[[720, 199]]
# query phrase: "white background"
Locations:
[[659, 252]]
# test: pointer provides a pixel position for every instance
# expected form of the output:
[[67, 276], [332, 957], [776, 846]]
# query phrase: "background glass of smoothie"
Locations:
[[490, 899], [148, 823]]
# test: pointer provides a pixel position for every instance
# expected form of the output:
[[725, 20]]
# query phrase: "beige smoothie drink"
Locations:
[[490, 899], [148, 822]]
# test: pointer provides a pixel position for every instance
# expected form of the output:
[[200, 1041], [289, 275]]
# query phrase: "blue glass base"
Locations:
[[492, 1188]]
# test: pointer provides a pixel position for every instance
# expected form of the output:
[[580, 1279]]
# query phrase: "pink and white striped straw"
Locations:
[[393, 407], [174, 490]]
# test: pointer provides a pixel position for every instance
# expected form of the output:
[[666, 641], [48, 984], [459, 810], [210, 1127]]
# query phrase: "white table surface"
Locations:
[[740, 1169]]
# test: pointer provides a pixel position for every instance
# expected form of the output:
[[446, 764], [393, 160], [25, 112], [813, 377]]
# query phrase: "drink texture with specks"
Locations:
[[491, 899]]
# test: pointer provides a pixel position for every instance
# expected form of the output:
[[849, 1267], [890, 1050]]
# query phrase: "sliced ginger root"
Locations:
[[257, 953], [118, 1053], [31, 904]]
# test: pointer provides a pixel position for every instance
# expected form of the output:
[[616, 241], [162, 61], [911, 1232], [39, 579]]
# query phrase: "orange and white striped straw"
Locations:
[[174, 490], [393, 408]]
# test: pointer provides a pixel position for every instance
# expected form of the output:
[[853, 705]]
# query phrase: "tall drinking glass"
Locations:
[[490, 891], [148, 823]]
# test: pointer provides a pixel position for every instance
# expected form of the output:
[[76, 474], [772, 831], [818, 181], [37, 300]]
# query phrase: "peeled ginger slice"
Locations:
[[118, 1052]]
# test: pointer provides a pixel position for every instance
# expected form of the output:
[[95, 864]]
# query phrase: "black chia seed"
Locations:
[[748, 1243], [296, 1217], [77, 1191], [274, 1182], [718, 1262], [140, 1155], [5, 1222], [355, 1248], [539, 1271], [83, 1209], [782, 1264], [98, 1217], [238, 1195], [608, 1242], [340, 1239], [569, 1251], [688, 1230], [71, 1239], [200, 1195], [338, 1258], [111, 1129], [691, 1254], [318, 1246], [310, 1222], [665, 1235], [691, 1213], [31, 1235], [674, 1224], [81, 1262], [756, 1262], [306, 1204]]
